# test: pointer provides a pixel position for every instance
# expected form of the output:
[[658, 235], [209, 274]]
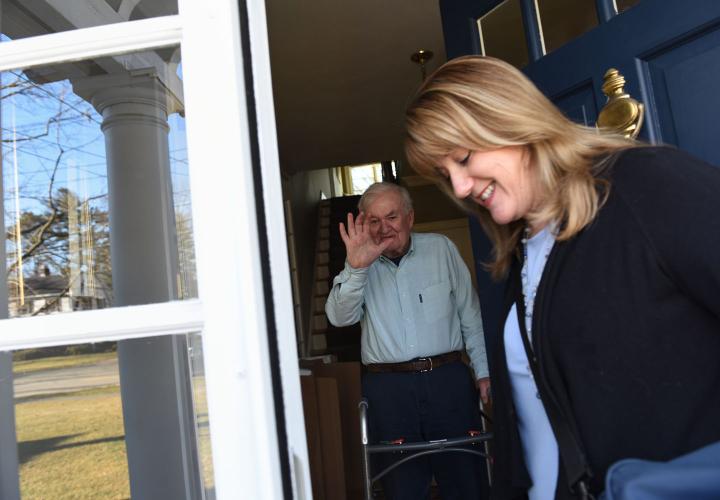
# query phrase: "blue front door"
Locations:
[[669, 54]]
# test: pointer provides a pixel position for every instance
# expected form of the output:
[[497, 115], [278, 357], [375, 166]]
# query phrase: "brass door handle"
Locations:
[[621, 114]]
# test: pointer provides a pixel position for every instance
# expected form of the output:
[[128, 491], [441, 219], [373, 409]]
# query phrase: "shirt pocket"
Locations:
[[436, 301]]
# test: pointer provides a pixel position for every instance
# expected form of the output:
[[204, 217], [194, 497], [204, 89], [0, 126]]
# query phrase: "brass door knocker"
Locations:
[[621, 114]]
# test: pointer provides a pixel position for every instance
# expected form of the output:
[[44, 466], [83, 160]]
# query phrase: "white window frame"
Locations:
[[230, 310]]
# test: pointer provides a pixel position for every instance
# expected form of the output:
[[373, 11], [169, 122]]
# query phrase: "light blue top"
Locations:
[[538, 441], [424, 306]]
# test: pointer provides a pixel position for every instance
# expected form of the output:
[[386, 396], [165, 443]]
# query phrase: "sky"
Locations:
[[52, 136]]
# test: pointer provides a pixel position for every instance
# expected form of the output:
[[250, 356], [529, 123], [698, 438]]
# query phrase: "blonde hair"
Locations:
[[483, 103]]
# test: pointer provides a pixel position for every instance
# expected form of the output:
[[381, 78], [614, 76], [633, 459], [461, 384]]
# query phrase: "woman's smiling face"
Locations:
[[499, 180]]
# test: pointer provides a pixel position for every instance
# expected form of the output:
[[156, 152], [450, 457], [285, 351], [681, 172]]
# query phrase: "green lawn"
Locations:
[[203, 433], [72, 447]]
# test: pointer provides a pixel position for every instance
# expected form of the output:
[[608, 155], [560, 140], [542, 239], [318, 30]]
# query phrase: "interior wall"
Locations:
[[304, 190], [432, 205]]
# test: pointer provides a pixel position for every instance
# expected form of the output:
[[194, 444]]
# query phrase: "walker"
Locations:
[[414, 450]]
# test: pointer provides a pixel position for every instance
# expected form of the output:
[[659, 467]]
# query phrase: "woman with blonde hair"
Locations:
[[610, 342]]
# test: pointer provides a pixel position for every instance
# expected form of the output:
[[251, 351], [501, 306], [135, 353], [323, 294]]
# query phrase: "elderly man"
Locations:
[[413, 296]]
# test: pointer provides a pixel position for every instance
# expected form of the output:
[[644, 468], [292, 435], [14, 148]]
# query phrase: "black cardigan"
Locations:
[[627, 323]]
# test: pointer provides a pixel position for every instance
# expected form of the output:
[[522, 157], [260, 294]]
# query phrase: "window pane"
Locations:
[[364, 175], [186, 274], [22, 19], [564, 20], [623, 5], [502, 34], [202, 423], [70, 133], [70, 423]]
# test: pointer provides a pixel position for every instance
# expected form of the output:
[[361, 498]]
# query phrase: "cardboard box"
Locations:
[[312, 432], [348, 376], [331, 394]]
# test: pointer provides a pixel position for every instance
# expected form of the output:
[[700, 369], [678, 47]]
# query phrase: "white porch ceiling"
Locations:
[[342, 76], [342, 73]]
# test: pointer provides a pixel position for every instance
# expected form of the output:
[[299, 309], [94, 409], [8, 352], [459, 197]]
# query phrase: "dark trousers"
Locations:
[[439, 404]]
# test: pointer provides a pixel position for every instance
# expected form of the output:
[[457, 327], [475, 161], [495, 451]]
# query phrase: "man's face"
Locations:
[[389, 221]]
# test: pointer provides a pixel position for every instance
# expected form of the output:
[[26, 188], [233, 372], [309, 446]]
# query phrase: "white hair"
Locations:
[[380, 188]]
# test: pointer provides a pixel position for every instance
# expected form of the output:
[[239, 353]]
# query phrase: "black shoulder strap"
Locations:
[[574, 462]]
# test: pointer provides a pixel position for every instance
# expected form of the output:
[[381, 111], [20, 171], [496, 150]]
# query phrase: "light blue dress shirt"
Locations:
[[538, 441], [424, 306]]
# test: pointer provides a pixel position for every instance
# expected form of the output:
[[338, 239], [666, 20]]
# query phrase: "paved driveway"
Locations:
[[61, 380]]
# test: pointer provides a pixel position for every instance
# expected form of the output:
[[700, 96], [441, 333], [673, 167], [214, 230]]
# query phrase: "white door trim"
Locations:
[[230, 311], [278, 251]]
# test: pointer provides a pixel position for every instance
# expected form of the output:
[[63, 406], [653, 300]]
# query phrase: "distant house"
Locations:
[[45, 293]]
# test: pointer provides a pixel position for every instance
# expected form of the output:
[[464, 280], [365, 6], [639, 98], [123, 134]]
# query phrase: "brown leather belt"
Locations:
[[416, 365]]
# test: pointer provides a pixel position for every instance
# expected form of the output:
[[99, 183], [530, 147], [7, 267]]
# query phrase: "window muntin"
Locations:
[[21, 19]]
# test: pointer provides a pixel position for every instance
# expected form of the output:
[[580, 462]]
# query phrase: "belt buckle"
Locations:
[[427, 369]]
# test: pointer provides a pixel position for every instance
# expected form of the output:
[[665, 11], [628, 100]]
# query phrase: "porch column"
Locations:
[[9, 467], [9, 484], [154, 375]]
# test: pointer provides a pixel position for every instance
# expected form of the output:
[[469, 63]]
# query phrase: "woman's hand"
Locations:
[[359, 244]]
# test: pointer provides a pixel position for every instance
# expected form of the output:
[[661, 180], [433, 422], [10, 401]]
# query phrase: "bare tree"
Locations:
[[57, 241]]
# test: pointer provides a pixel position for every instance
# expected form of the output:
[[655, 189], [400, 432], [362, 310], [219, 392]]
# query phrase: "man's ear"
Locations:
[[411, 216]]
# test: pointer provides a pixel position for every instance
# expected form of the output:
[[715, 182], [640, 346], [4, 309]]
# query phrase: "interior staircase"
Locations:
[[343, 342]]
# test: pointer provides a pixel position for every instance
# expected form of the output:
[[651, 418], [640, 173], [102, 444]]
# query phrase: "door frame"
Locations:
[[241, 257]]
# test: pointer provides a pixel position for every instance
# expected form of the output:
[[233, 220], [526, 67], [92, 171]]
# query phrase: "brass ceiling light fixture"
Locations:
[[421, 57]]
